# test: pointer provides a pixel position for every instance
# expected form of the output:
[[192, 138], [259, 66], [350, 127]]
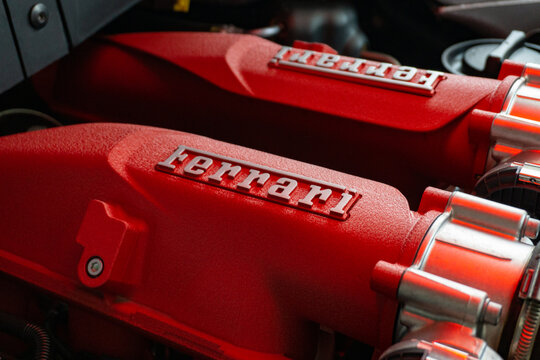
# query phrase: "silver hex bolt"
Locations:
[[94, 266]]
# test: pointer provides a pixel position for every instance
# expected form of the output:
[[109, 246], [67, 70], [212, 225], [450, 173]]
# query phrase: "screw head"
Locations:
[[39, 15], [94, 266]]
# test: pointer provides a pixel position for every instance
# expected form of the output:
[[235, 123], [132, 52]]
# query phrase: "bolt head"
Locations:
[[39, 16], [94, 266]]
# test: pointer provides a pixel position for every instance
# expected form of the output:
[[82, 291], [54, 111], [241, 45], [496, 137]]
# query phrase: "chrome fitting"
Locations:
[[517, 127], [523, 99], [512, 173], [456, 297], [433, 349], [492, 216], [440, 299], [512, 134]]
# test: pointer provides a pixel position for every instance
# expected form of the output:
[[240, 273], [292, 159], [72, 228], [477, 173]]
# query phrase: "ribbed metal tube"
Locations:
[[528, 333]]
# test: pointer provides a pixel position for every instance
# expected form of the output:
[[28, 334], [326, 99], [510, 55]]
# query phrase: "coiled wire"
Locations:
[[40, 339], [528, 332], [30, 333]]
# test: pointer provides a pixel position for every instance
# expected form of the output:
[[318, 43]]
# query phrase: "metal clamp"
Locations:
[[528, 322]]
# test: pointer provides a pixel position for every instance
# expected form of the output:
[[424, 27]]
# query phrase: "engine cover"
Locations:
[[212, 247]]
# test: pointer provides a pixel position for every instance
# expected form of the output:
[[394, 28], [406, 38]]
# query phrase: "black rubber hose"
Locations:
[[28, 332]]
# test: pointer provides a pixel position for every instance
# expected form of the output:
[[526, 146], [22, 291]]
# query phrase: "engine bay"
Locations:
[[263, 179]]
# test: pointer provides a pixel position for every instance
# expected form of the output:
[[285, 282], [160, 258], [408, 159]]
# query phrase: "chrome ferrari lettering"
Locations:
[[309, 194], [226, 168], [178, 155], [198, 165], [431, 78], [328, 60], [386, 75], [254, 175], [282, 51], [302, 57], [352, 66], [379, 70], [339, 209], [283, 188], [405, 73], [315, 191]]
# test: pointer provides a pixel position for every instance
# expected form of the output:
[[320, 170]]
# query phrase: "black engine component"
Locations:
[[335, 24], [484, 57]]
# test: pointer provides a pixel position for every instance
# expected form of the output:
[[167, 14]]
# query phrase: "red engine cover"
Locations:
[[225, 87], [202, 264]]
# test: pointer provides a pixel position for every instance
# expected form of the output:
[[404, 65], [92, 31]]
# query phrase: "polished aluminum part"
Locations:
[[438, 298], [513, 161], [529, 173], [524, 96], [512, 134], [517, 127], [422, 349], [489, 215], [457, 294]]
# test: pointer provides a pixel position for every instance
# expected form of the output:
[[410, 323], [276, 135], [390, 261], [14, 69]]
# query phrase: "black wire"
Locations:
[[30, 333]]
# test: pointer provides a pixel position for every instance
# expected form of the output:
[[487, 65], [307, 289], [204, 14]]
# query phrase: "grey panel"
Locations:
[[85, 17], [10, 67], [38, 47]]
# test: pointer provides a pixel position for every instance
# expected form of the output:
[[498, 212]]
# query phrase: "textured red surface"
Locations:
[[222, 86], [240, 64], [207, 269], [386, 277]]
